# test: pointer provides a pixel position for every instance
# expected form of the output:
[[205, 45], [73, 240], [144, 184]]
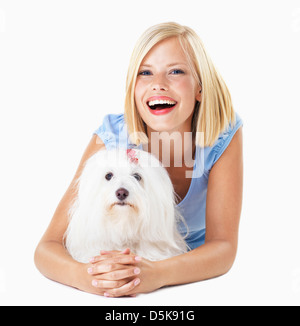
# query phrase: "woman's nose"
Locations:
[[159, 84]]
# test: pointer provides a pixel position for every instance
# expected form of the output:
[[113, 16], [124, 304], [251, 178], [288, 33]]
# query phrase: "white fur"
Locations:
[[148, 227]]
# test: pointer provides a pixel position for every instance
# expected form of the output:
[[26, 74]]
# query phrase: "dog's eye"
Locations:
[[137, 176], [108, 176]]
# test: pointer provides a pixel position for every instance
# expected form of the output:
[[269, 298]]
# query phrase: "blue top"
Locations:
[[113, 133]]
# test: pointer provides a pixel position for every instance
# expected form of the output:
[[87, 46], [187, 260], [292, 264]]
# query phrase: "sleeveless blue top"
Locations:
[[113, 132]]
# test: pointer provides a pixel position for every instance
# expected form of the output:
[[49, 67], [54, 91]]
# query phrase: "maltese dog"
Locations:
[[125, 199]]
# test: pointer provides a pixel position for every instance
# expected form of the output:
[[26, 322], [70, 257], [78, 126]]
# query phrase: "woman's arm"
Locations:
[[51, 257], [223, 209]]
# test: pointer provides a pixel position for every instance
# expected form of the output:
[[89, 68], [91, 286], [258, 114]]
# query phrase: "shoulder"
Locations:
[[113, 130], [111, 123], [213, 153]]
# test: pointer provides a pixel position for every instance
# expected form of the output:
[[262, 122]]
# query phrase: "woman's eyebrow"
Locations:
[[169, 65], [177, 64], [146, 65]]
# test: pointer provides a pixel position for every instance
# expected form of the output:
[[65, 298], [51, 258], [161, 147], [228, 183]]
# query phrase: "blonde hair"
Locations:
[[212, 115]]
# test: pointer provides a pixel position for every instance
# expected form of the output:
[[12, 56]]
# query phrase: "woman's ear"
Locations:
[[199, 94]]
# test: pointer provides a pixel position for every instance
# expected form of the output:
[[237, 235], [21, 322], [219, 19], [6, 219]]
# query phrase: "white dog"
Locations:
[[125, 199]]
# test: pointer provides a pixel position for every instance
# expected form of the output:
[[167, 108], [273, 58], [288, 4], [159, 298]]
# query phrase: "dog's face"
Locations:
[[121, 184], [124, 185]]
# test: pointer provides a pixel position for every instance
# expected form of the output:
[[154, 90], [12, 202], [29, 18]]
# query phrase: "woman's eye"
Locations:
[[145, 73], [137, 176], [108, 176], [177, 72]]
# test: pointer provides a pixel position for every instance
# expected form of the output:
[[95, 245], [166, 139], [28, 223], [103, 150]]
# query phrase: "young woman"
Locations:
[[172, 90]]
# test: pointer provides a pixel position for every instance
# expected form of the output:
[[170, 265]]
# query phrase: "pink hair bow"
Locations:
[[132, 156]]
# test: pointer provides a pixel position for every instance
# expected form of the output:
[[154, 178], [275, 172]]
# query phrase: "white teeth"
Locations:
[[155, 102]]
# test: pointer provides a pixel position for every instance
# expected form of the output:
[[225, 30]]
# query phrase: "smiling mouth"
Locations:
[[161, 104]]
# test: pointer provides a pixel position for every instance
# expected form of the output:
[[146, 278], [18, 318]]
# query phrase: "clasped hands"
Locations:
[[121, 273]]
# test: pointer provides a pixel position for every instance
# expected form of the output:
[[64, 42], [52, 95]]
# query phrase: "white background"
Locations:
[[63, 66]]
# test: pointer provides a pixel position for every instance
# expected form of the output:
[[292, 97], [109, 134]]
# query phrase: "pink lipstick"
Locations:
[[159, 105]]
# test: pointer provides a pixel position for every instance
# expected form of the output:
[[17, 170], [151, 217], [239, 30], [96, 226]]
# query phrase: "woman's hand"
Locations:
[[118, 274], [113, 269]]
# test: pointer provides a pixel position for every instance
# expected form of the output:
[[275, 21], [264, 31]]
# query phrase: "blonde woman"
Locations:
[[174, 95]]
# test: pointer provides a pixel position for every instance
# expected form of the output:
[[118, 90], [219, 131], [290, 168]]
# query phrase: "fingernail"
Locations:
[[92, 259], [94, 283], [137, 281], [106, 294], [137, 271], [137, 258], [90, 270]]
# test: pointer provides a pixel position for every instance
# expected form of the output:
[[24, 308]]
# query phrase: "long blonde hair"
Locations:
[[212, 115]]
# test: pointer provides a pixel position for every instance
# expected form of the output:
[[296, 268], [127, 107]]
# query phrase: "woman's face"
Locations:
[[166, 91]]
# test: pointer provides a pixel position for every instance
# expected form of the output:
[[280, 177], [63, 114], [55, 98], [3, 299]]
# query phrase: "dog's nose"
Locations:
[[122, 193]]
